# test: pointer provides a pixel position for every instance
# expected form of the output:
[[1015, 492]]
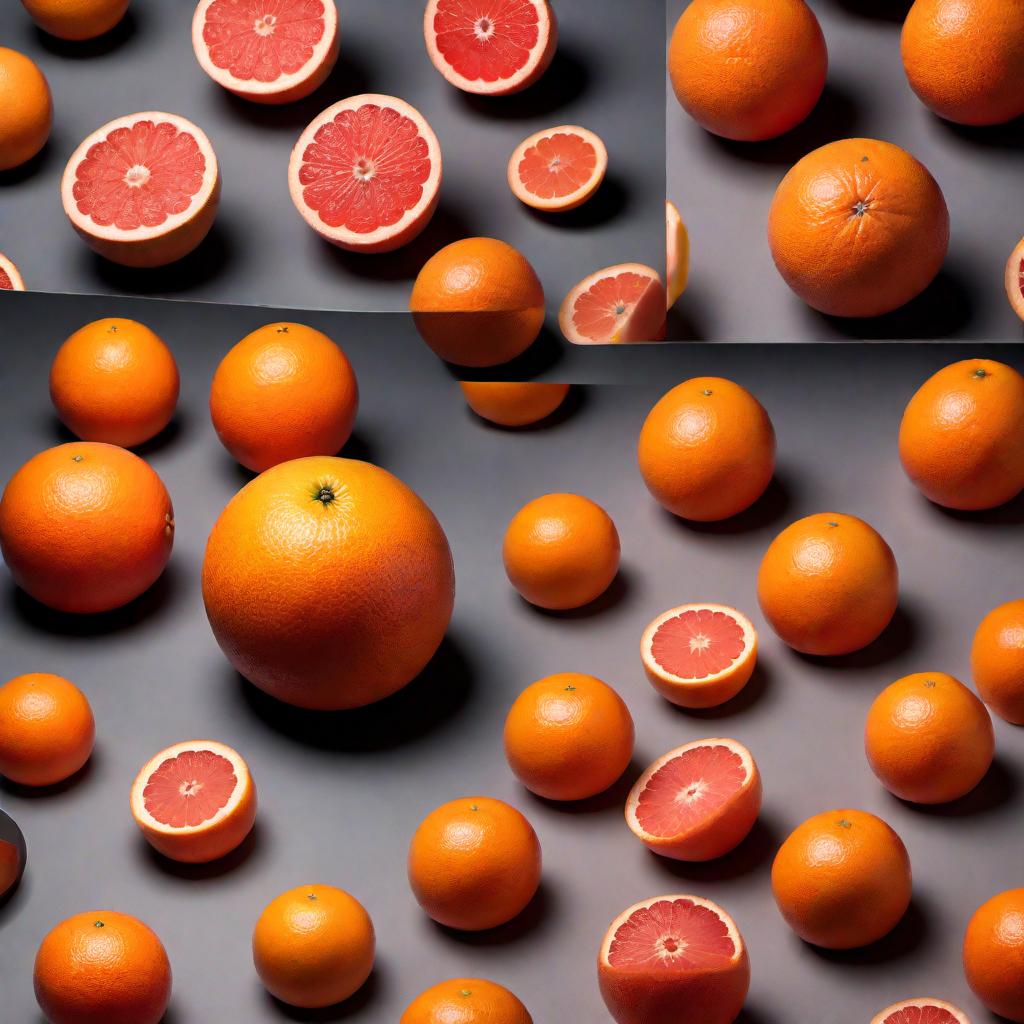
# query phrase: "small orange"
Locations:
[[474, 863], [568, 736], [26, 109], [994, 954], [313, 946], [513, 404], [466, 1001], [561, 551], [928, 738], [76, 19], [115, 381], [46, 729], [997, 661]]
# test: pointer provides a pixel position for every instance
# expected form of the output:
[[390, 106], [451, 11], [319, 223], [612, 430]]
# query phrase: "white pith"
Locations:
[[13, 273]]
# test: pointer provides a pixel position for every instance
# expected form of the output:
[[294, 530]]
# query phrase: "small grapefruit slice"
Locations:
[[922, 1011], [696, 802], [266, 52], [143, 190], [366, 173], [699, 655], [1015, 279], [10, 276], [488, 48], [195, 801], [558, 169], [614, 306], [677, 244], [674, 958]]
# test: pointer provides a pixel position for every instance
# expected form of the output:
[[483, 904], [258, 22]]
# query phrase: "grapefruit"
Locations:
[[616, 305], [10, 276], [26, 109], [76, 20], [558, 169], [513, 403], [677, 249], [365, 174], [921, 1011], [1015, 279], [143, 190], [272, 53]]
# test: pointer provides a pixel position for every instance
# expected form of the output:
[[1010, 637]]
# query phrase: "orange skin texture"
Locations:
[[478, 302], [561, 551], [928, 739], [284, 392], [1015, 279], [47, 729], [313, 946], [965, 59], [994, 954], [513, 404], [997, 661], [76, 19], [474, 863], [568, 737], [858, 228], [86, 527], [114, 381], [962, 436], [828, 584], [466, 1001], [26, 109], [842, 879], [707, 449], [748, 70], [102, 967], [328, 583]]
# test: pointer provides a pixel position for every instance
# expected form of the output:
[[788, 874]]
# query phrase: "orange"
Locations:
[[313, 946], [962, 435], [994, 954], [997, 660], [26, 109], [466, 1001], [474, 863], [86, 527], [513, 404], [102, 966], [283, 392], [76, 19], [478, 302], [561, 551], [748, 69], [707, 449], [828, 584], [46, 729], [568, 736], [114, 380], [858, 228], [928, 738]]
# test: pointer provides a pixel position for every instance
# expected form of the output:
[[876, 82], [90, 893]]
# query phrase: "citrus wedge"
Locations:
[[677, 245], [558, 169], [1015, 279], [10, 276], [921, 1011], [614, 306]]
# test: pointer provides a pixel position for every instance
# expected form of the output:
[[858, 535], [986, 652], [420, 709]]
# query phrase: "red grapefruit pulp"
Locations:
[[616, 305], [1015, 279], [558, 169], [10, 277], [922, 1011]]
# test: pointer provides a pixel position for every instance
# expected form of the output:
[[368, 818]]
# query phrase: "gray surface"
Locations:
[[260, 250], [724, 190]]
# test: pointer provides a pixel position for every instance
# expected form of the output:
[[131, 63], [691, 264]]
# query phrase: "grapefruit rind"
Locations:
[[8, 267], [571, 200], [645, 321], [1015, 279], [677, 251], [923, 1003]]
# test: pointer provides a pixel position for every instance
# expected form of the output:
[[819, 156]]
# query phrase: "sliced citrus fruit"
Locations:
[[677, 244], [674, 958], [696, 802], [488, 48], [558, 169], [195, 801], [143, 190], [921, 1011], [366, 173], [616, 305], [1015, 279], [10, 276], [266, 52], [699, 655]]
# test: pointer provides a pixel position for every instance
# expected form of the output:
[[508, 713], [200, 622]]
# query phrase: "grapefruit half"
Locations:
[[1015, 279], [10, 276], [696, 802], [614, 306], [677, 246], [143, 190], [921, 1011], [558, 169]]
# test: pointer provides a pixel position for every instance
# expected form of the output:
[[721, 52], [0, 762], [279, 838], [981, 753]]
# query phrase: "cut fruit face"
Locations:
[[922, 1011], [677, 244], [617, 305], [10, 276], [1015, 279], [558, 169], [365, 174]]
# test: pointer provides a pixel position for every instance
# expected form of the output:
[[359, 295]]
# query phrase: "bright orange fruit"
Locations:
[[994, 954], [76, 19], [466, 1001], [997, 661], [513, 403], [26, 109]]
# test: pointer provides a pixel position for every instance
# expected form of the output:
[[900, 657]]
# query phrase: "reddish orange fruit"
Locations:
[[615, 306], [26, 109], [921, 1011], [513, 404], [1015, 279], [10, 277], [76, 19], [557, 169], [997, 661], [994, 954], [677, 251], [466, 1001]]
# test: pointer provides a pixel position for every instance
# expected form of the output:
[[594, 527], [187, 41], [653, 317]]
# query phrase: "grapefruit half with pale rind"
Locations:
[[616, 305], [10, 276], [921, 1011], [558, 169]]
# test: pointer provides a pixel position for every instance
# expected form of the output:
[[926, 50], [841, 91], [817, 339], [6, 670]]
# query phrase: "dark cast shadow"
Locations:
[[904, 940], [997, 789], [86, 49], [754, 854], [253, 844], [772, 507], [608, 202], [896, 639], [353, 1006], [523, 925]]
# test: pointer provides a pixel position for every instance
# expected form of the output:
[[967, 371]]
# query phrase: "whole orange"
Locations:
[[86, 527], [466, 1001], [478, 302], [994, 954], [997, 660], [828, 584], [858, 228], [26, 109], [328, 582], [102, 966], [313, 946], [285, 391], [568, 736], [707, 449], [962, 435], [513, 404], [748, 69], [76, 19], [474, 863], [116, 381], [842, 879], [561, 551]]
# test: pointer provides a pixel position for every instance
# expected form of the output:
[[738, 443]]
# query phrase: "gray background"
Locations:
[[724, 190], [341, 794]]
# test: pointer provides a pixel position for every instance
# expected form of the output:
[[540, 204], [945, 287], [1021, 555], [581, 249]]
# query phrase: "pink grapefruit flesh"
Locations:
[[922, 1011], [617, 305], [1015, 279], [677, 251], [189, 788], [558, 169], [10, 276]]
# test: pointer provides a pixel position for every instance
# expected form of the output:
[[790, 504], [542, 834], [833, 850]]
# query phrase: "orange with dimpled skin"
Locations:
[[513, 403], [997, 661], [993, 954], [466, 1001]]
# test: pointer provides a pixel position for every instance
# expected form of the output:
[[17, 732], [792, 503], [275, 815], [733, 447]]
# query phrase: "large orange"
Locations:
[[997, 660], [328, 582], [513, 403], [86, 527], [994, 954], [76, 19], [858, 228], [26, 109], [466, 1001]]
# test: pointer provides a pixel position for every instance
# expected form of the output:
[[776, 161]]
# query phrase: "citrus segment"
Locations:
[[921, 1011], [190, 788], [677, 250], [10, 276], [616, 305], [1015, 279], [558, 169]]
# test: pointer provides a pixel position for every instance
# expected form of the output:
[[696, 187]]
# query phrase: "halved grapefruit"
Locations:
[[488, 48], [10, 276], [267, 51], [194, 801], [921, 1011], [696, 802], [558, 169], [699, 655], [1015, 279], [143, 190], [674, 958], [366, 173], [615, 306], [677, 245]]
